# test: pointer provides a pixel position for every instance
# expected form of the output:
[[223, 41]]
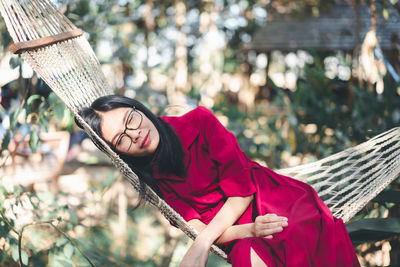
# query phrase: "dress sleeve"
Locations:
[[234, 173], [178, 204]]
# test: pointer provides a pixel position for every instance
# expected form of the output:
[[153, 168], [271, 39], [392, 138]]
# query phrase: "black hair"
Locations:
[[168, 156]]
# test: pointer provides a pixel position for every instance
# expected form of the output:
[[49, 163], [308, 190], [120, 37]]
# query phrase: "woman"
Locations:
[[197, 167]]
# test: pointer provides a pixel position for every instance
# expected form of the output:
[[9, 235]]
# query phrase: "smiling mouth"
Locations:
[[145, 140]]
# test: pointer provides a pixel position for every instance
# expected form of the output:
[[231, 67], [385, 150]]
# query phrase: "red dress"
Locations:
[[217, 169]]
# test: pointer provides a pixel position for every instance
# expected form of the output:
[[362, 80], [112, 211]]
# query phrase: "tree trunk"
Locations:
[[149, 26], [356, 67], [356, 53], [208, 79], [178, 85], [367, 50], [393, 58], [180, 50]]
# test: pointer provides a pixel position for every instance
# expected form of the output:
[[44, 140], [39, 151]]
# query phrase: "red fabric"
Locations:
[[217, 169]]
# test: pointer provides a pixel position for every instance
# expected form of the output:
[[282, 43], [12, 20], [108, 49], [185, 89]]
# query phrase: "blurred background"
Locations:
[[295, 81]]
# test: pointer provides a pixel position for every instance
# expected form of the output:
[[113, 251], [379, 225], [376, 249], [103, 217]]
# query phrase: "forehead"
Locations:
[[112, 122]]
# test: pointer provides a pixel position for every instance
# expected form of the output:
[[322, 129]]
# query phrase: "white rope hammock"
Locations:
[[63, 58]]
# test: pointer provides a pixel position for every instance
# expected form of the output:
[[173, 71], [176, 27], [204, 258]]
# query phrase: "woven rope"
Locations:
[[72, 71], [346, 181]]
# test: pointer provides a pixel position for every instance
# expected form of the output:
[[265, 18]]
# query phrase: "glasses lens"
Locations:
[[124, 142], [134, 120]]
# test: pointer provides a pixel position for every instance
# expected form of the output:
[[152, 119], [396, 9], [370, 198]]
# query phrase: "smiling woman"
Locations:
[[140, 138], [195, 164], [132, 132]]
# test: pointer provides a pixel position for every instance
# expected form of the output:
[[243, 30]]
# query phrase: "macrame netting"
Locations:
[[346, 181]]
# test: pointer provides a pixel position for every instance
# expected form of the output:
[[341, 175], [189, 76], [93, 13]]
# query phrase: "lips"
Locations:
[[146, 140]]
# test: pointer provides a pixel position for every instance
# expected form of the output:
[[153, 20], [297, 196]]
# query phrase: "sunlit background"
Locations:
[[295, 81]]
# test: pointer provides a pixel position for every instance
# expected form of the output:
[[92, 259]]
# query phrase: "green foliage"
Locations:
[[34, 140], [340, 113], [62, 250], [38, 112]]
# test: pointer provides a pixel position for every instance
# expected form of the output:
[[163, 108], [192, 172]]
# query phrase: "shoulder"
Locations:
[[194, 117], [189, 125], [200, 113]]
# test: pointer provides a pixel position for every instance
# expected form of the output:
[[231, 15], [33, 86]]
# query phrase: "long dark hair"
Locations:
[[168, 156]]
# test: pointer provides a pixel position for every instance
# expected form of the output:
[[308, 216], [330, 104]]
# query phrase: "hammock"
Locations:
[[63, 58]]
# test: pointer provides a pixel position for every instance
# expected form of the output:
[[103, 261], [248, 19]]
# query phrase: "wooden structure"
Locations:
[[332, 31]]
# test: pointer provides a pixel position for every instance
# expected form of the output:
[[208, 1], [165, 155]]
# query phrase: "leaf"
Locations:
[[68, 250], [16, 190], [15, 62], [14, 117], [36, 238], [46, 196], [32, 98], [64, 263], [44, 122], [14, 253], [52, 99], [34, 141], [29, 102], [58, 110], [61, 241], [60, 260], [24, 257], [74, 217], [6, 141]]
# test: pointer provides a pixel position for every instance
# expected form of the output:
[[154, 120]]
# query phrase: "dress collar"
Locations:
[[187, 131], [185, 128]]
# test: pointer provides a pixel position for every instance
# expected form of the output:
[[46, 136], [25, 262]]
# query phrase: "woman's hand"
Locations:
[[268, 225], [232, 209], [197, 255]]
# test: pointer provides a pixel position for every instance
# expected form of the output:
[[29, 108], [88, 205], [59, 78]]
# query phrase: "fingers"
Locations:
[[270, 224], [270, 231], [271, 217]]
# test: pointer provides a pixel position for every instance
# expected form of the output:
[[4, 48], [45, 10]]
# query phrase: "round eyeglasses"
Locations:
[[132, 122]]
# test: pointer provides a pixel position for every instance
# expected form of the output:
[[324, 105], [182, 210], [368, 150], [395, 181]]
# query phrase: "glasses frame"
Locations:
[[127, 128]]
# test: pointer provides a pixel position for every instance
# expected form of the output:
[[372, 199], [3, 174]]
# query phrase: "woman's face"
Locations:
[[129, 131]]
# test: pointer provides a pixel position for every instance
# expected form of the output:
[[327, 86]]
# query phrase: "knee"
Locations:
[[256, 261]]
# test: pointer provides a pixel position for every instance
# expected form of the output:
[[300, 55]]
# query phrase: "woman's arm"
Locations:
[[232, 209], [265, 226], [233, 231], [230, 212]]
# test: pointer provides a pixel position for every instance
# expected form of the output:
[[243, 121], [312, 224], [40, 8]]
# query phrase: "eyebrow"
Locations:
[[123, 122]]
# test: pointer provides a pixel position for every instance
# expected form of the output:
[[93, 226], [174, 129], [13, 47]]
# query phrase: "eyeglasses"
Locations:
[[133, 122]]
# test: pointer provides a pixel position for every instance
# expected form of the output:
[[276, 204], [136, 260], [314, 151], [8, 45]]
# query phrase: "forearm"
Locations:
[[233, 232], [236, 232], [224, 219]]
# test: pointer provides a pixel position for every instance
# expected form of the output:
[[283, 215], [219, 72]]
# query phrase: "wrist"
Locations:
[[250, 230], [204, 239]]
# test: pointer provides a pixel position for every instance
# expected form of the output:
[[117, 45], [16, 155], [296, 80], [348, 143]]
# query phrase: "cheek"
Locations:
[[156, 137]]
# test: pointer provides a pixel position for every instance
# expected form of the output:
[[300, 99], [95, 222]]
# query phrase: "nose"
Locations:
[[134, 134]]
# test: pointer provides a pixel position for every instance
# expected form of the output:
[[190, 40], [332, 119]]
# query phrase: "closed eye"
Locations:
[[130, 118], [119, 140]]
